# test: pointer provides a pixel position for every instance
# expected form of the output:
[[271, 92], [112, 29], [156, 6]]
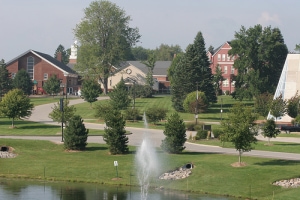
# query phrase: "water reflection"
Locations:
[[34, 190]]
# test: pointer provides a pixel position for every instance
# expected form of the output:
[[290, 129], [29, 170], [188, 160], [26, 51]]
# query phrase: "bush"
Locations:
[[217, 133], [141, 91], [190, 102], [132, 114], [201, 134], [102, 109], [192, 126], [156, 114], [76, 134]]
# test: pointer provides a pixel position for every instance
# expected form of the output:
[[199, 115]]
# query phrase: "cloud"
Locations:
[[266, 19]]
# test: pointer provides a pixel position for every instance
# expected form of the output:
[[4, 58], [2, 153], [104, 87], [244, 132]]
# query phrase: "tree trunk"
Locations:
[[240, 156], [105, 86], [268, 140], [12, 123]]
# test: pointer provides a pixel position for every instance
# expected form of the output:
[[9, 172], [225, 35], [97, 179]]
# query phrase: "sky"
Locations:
[[43, 25]]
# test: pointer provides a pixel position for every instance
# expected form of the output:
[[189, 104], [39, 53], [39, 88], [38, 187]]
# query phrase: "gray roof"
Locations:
[[160, 68]]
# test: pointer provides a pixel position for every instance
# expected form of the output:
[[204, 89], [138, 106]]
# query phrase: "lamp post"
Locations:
[[196, 109]]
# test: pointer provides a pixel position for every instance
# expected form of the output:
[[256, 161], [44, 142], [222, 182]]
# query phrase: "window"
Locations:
[[223, 57], [232, 70], [30, 64], [228, 57], [225, 83], [225, 69], [45, 76], [13, 75], [219, 57], [232, 83]]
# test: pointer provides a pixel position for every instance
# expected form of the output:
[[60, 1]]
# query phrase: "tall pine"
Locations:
[[190, 71], [5, 80], [119, 97]]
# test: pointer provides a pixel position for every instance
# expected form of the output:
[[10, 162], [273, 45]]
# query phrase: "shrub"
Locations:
[[201, 134], [217, 133], [132, 114], [190, 103], [102, 109], [156, 114], [192, 126], [141, 91]]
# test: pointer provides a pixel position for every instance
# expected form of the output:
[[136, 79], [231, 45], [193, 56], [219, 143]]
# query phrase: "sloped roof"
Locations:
[[217, 49], [54, 62], [160, 68]]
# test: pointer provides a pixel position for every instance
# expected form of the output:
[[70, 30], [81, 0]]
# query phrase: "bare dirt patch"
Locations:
[[239, 164]]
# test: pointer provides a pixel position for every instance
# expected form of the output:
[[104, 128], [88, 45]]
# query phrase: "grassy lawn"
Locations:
[[260, 145], [28, 128], [212, 174], [44, 100]]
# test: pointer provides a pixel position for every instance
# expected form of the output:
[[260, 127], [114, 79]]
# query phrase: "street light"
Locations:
[[196, 109]]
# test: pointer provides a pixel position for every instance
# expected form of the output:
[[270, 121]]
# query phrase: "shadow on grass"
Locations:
[[96, 148], [287, 144], [278, 162]]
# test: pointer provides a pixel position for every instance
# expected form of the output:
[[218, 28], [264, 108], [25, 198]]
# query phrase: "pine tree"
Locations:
[[115, 134], [65, 54], [119, 97], [23, 81], [5, 80], [175, 135], [75, 135]]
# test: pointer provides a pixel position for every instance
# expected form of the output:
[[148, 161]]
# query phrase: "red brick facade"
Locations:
[[221, 58], [43, 68]]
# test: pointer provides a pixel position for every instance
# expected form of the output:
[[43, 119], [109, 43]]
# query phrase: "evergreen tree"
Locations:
[[115, 133], [23, 81], [52, 85], [270, 130], [15, 105], [119, 97], [65, 54], [217, 80], [75, 135], [90, 90], [194, 68], [175, 135], [5, 80]]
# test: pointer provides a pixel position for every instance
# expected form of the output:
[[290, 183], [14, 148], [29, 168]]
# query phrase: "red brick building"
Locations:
[[220, 58], [40, 67]]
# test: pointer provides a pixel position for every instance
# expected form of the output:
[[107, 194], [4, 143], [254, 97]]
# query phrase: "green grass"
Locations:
[[44, 100], [212, 174], [28, 128]]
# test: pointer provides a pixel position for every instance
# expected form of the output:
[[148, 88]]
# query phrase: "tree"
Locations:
[[174, 63], [194, 68], [297, 47], [278, 107], [175, 135], [239, 128], [115, 134], [211, 49], [140, 53], [5, 79], [150, 64], [68, 112], [262, 103], [155, 114], [260, 55], [23, 81], [65, 54], [119, 97], [190, 102], [104, 36], [102, 109], [15, 105], [52, 85], [75, 135], [166, 52], [293, 106], [218, 79], [270, 130], [90, 90]]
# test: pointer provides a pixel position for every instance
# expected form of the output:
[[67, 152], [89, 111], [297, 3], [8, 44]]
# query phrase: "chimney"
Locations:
[[59, 56]]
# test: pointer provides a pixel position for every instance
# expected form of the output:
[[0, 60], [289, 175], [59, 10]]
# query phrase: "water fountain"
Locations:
[[146, 162]]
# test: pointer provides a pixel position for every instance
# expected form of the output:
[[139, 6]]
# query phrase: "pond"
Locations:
[[12, 189]]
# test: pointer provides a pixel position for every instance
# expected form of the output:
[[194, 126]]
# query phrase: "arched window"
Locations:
[[30, 64]]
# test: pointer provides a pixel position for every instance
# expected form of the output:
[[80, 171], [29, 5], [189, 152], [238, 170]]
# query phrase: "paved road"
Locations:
[[40, 114]]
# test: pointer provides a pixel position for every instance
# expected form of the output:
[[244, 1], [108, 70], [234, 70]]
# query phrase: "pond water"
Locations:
[[35, 190]]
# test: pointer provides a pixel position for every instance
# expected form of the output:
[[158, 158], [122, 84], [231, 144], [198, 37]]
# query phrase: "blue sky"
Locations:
[[42, 25]]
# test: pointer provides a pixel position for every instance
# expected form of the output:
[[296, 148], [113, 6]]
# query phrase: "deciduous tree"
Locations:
[[293, 108], [278, 107], [68, 112], [90, 90], [270, 130], [175, 135], [260, 56], [239, 128], [262, 103], [104, 37], [52, 85], [15, 105]]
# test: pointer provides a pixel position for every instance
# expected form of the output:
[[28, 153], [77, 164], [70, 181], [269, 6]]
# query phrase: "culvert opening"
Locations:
[[3, 148], [189, 166]]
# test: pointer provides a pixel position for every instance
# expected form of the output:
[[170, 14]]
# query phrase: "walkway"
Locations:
[[40, 114]]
